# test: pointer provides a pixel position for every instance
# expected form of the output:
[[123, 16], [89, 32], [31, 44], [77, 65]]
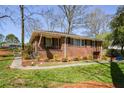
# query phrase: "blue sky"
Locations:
[[9, 27]]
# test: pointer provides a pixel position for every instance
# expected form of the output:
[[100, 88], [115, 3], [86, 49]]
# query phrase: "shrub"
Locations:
[[38, 58], [52, 60], [76, 59], [26, 56], [90, 57], [112, 52], [28, 52], [46, 60], [64, 60], [56, 58], [104, 57], [85, 58]]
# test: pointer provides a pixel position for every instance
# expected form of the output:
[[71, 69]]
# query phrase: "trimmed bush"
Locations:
[[112, 52], [76, 59], [28, 52], [46, 60], [90, 57], [85, 58], [104, 57], [64, 60]]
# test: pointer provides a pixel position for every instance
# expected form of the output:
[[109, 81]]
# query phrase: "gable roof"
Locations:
[[59, 34]]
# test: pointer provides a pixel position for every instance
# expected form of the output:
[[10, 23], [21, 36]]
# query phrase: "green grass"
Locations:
[[53, 77]]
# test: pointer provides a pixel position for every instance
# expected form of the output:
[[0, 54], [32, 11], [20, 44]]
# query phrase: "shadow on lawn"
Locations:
[[117, 75]]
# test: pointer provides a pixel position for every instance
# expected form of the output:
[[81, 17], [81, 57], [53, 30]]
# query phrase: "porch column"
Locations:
[[36, 46], [65, 47], [58, 43], [40, 42], [80, 42]]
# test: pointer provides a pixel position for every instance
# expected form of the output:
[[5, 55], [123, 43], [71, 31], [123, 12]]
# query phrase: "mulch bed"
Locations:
[[29, 62], [89, 84]]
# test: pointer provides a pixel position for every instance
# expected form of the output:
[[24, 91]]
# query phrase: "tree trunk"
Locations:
[[22, 25], [69, 27]]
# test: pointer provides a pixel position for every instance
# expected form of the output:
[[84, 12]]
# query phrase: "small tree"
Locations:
[[11, 38], [117, 26], [106, 37]]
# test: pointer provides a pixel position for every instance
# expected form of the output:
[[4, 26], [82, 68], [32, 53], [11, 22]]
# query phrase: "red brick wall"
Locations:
[[79, 51], [52, 52], [72, 51]]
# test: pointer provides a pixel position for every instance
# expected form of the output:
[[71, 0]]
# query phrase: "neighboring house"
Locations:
[[10, 45], [48, 44]]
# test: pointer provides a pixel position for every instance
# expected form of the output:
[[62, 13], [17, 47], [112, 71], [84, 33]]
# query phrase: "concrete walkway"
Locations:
[[17, 64]]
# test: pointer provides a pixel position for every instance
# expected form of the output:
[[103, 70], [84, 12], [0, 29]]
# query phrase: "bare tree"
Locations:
[[73, 16], [96, 22], [50, 18], [5, 14]]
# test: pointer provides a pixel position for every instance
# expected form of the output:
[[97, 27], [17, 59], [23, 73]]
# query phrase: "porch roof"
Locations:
[[58, 35]]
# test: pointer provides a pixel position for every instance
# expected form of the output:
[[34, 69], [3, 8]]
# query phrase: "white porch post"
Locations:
[[80, 42], [65, 47], [58, 43], [39, 41], [36, 49]]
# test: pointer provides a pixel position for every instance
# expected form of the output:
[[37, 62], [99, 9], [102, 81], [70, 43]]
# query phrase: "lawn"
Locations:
[[109, 73]]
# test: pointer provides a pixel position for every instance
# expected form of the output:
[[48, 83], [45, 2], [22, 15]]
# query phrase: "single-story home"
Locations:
[[48, 44], [10, 45]]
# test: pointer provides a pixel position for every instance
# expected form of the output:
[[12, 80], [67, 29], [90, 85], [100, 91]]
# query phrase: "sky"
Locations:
[[8, 27]]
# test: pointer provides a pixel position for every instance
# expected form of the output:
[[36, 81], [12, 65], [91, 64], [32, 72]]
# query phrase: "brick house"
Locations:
[[47, 44]]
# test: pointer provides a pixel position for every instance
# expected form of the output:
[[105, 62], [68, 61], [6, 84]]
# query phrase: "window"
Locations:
[[76, 42], [89, 43], [48, 42], [55, 43], [83, 43], [70, 41], [52, 43], [93, 43]]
